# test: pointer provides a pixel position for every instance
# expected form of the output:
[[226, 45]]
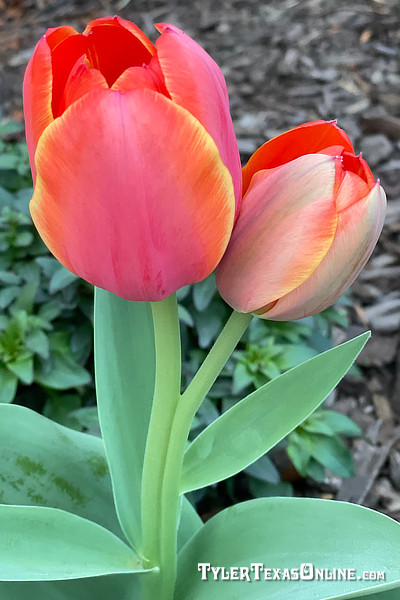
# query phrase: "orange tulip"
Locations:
[[133, 154], [309, 220]]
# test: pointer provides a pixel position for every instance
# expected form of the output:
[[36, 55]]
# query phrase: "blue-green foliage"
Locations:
[[46, 340]]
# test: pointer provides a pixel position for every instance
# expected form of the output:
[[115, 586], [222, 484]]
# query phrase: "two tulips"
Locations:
[[139, 188]]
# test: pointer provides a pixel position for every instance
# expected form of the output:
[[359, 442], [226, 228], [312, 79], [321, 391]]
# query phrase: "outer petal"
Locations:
[[37, 97], [309, 138], [196, 82], [358, 231], [137, 201], [286, 225]]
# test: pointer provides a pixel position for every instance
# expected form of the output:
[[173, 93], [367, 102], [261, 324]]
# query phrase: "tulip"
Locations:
[[134, 157], [309, 220]]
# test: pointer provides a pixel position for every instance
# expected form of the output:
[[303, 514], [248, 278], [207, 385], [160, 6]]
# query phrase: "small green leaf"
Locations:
[[254, 425], [23, 239], [37, 342], [22, 367], [7, 295], [26, 296], [315, 470], [9, 278], [333, 454], [286, 534], [61, 279], [8, 385], [185, 316], [61, 372], [340, 424], [203, 292], [46, 544], [264, 469], [241, 378]]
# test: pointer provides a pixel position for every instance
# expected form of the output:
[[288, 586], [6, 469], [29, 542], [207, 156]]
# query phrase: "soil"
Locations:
[[287, 62]]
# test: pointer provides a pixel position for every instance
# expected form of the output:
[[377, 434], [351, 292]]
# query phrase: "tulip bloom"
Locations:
[[133, 154], [309, 220]]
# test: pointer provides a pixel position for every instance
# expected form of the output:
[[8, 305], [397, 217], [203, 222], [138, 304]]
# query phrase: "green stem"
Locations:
[[215, 361], [166, 396], [170, 423]]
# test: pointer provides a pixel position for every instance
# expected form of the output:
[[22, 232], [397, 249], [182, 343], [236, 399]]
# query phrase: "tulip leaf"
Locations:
[[122, 587], [47, 544], [125, 373], [256, 424], [284, 534], [44, 463]]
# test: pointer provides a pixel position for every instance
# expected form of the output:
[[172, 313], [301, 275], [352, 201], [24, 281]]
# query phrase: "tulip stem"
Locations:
[[165, 401], [170, 423]]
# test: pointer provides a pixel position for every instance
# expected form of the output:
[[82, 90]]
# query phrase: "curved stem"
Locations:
[[215, 361]]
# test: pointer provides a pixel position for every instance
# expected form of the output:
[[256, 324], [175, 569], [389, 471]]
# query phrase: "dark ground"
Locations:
[[287, 62]]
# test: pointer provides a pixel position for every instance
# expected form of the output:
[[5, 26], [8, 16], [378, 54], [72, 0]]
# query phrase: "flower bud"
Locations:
[[310, 218]]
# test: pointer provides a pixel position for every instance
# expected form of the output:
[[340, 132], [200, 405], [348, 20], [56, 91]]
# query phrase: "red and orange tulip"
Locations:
[[309, 220], [133, 154]]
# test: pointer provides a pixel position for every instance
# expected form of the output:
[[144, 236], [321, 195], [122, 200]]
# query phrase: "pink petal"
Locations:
[[132, 194], [195, 82], [286, 225], [358, 230]]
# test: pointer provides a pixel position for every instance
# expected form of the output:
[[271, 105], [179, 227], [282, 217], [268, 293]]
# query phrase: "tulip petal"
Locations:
[[37, 92], [56, 35], [146, 77], [118, 22], [286, 225], [132, 194], [63, 58], [358, 230], [112, 49], [81, 81], [309, 138], [195, 82]]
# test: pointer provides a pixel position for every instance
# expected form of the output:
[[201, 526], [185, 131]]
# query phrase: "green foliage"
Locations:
[[258, 422], [46, 337], [285, 534], [316, 445]]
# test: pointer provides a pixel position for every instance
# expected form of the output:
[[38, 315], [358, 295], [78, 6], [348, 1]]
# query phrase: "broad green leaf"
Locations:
[[285, 533], [43, 463], [120, 587], [125, 372], [256, 424], [47, 544]]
